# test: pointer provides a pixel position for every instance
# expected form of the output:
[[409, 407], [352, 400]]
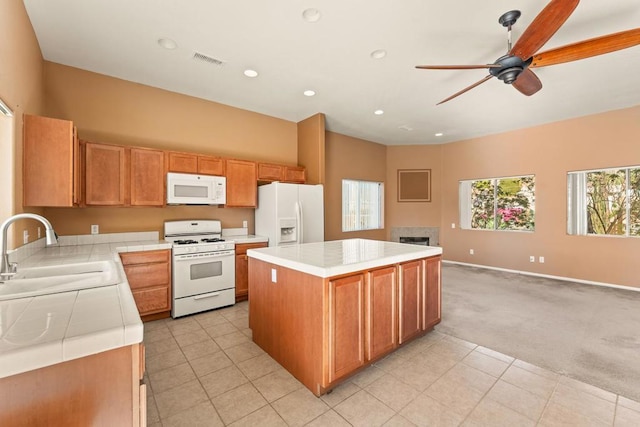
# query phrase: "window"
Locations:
[[604, 202], [498, 203], [362, 205]]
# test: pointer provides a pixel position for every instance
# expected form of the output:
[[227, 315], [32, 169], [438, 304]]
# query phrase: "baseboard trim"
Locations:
[[546, 276]]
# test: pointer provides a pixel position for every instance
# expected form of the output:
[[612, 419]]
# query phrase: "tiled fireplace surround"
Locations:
[[431, 232]]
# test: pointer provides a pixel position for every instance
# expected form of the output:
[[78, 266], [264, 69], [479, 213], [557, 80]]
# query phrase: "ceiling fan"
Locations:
[[514, 68]]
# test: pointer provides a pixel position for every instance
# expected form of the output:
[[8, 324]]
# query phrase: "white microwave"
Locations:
[[190, 189]]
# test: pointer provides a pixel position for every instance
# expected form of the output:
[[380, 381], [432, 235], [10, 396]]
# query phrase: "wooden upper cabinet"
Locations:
[[147, 177], [105, 175], [51, 162], [295, 174], [242, 186], [270, 172], [193, 163]]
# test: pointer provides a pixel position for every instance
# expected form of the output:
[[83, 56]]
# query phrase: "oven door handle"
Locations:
[[190, 257], [210, 295]]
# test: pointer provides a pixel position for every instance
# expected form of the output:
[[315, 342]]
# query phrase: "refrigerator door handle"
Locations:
[[300, 222]]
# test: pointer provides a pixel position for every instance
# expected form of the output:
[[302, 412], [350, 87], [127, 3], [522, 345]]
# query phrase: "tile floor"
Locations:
[[204, 370]]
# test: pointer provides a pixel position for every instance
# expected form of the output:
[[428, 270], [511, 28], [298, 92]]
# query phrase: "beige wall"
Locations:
[[111, 110], [350, 158], [21, 88], [413, 214], [549, 151], [311, 147]]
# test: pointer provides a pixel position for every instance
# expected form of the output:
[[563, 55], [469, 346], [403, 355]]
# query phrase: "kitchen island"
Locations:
[[326, 310]]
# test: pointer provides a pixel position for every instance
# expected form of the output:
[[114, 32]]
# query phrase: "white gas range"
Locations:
[[203, 266]]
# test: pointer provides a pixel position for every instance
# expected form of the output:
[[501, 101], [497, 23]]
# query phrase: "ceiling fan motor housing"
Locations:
[[510, 68]]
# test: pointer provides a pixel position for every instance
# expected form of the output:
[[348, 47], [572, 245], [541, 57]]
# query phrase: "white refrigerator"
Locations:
[[290, 214]]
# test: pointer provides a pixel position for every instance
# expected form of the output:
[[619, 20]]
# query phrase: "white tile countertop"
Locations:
[[49, 329], [240, 236], [333, 258]]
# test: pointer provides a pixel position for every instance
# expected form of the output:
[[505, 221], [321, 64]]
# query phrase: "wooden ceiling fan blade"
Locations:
[[527, 83], [587, 48], [543, 27], [456, 67], [468, 88]]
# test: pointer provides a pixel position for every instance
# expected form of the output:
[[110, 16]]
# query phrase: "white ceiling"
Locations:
[[119, 38]]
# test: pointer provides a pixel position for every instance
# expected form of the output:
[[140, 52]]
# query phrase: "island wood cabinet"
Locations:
[[242, 189], [105, 174], [194, 163], [322, 330], [149, 276], [242, 268], [51, 162], [102, 389], [147, 185]]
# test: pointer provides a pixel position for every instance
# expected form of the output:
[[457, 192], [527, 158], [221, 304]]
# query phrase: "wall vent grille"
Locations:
[[208, 59]]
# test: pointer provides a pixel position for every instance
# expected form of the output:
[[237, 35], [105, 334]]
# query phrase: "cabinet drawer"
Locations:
[[146, 257], [148, 275], [152, 300]]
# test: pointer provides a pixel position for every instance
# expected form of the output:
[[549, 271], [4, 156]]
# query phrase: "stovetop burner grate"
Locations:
[[184, 242], [212, 240]]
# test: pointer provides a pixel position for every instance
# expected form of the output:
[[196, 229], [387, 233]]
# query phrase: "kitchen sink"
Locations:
[[53, 279]]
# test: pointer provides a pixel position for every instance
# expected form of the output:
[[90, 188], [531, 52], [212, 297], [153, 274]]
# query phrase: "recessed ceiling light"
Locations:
[[309, 92], [311, 15], [167, 43], [250, 73], [378, 112], [439, 134], [378, 54]]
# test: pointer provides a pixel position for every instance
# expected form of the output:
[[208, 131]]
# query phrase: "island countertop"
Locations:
[[333, 258]]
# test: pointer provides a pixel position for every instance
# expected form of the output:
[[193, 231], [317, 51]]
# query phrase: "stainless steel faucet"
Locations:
[[6, 269]]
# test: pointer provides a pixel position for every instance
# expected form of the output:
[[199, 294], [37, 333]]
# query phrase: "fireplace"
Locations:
[[424, 241]]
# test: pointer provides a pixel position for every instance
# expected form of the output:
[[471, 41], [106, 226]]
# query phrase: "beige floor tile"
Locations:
[[558, 416], [427, 412], [628, 403], [492, 414], [178, 399], [242, 352], [450, 349], [238, 403], [418, 374], [486, 363], [588, 388], [222, 381], [155, 348], [392, 392], [494, 354], [210, 363], [299, 407], [242, 323], [521, 401], [164, 361], [201, 415], [393, 361], [471, 377], [200, 349], [456, 396], [232, 339], [584, 403], [626, 417], [529, 381], [263, 417], [223, 328], [276, 384], [460, 342], [340, 393], [210, 318], [184, 326], [155, 325], [329, 419], [171, 377], [258, 366], [154, 424], [191, 337], [247, 332], [398, 421], [157, 335], [536, 370], [367, 376], [236, 313], [152, 410], [362, 409]]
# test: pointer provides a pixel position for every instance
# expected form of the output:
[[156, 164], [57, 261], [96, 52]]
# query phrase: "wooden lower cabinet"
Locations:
[[149, 276], [102, 389], [242, 268], [323, 330]]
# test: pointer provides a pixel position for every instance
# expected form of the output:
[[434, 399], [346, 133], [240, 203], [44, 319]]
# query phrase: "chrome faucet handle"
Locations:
[[13, 267]]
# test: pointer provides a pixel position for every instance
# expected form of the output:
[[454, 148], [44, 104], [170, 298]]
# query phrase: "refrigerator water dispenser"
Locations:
[[288, 230]]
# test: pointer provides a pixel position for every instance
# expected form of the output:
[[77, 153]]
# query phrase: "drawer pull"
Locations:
[[203, 296]]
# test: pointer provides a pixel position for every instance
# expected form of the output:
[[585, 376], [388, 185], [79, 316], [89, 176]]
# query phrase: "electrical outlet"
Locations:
[[245, 224], [453, 225], [274, 275], [95, 229], [25, 237], [532, 259], [39, 232], [541, 260], [470, 251]]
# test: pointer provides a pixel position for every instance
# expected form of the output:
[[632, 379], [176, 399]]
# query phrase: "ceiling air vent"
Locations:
[[205, 58]]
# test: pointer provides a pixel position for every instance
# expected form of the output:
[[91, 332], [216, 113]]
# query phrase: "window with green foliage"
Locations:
[[604, 202], [498, 203]]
